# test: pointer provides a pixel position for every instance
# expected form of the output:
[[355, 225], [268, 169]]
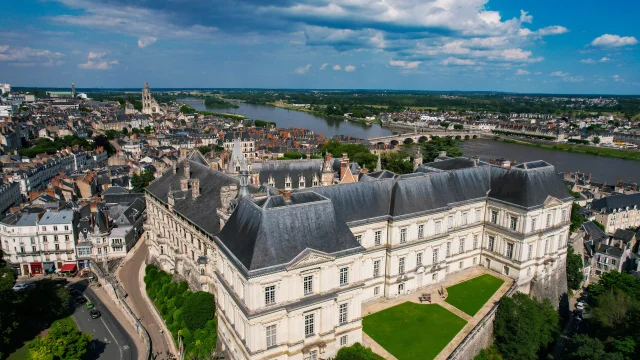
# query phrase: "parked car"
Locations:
[[580, 305], [21, 287], [81, 300], [94, 313], [90, 305]]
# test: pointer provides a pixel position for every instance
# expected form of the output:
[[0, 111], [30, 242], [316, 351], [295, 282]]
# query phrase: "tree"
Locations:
[[431, 149], [125, 131], [62, 342], [8, 320], [596, 140], [357, 352], [576, 218], [139, 182], [490, 353], [204, 149], [583, 347], [599, 225], [458, 127], [574, 269], [523, 326], [396, 162], [199, 308], [148, 129]]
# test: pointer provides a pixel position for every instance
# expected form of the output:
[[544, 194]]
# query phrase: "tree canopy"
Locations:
[[574, 269], [141, 181], [62, 342], [357, 352]]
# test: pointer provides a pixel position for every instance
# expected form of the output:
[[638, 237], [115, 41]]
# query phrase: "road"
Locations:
[[110, 340], [130, 280]]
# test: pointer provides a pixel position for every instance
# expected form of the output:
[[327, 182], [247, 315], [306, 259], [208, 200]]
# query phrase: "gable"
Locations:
[[309, 257], [551, 202]]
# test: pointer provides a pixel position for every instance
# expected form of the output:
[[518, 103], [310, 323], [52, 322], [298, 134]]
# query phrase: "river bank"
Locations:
[[337, 117], [572, 148]]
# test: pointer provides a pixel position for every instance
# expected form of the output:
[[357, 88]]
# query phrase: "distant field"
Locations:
[[471, 295], [413, 331]]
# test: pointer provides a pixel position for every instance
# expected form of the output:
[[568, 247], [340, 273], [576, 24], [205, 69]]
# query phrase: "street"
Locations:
[[129, 279], [110, 340]]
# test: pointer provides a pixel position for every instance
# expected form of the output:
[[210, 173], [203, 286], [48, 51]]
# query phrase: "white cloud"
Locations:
[[604, 59], [608, 40], [456, 61], [559, 74], [349, 68], [27, 56], [617, 78], [146, 41], [302, 70], [324, 66], [525, 17], [522, 72], [588, 61], [336, 67], [552, 30], [404, 64], [97, 61], [565, 76]]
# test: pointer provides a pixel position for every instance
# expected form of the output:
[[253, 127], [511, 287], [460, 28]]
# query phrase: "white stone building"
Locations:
[[291, 273]]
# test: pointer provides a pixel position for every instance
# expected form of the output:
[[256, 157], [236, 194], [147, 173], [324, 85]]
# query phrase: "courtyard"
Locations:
[[407, 328]]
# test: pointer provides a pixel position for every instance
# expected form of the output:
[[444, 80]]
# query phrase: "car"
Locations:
[[90, 305], [81, 300], [21, 287], [580, 305], [94, 313]]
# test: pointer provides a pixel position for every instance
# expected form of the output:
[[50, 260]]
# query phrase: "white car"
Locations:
[[20, 287], [580, 305]]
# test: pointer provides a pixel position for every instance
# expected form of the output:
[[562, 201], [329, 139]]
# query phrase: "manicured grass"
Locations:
[[413, 331], [23, 352], [471, 295]]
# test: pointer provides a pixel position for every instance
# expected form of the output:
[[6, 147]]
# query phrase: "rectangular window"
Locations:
[[478, 215], [420, 231], [534, 225], [437, 227], [376, 268], [435, 256], [419, 259], [66, 227], [448, 249], [530, 252], [450, 222], [514, 223], [308, 284], [271, 336], [401, 265], [33, 249], [343, 340], [564, 215], [403, 235], [613, 261], [461, 245], [344, 276], [465, 218], [475, 242], [58, 247], [376, 290], [313, 355], [66, 238], [460, 265], [490, 245], [546, 246], [343, 314], [359, 239], [494, 216], [377, 237], [434, 277], [270, 295], [548, 220], [474, 261], [510, 250], [309, 325], [55, 228]]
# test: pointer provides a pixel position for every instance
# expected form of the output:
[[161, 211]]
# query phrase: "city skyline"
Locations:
[[465, 45]]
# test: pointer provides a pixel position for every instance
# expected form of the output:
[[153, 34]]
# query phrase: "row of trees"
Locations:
[[399, 162], [188, 315]]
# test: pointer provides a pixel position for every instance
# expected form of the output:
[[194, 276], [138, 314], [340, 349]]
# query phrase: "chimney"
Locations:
[[443, 154], [184, 184], [286, 195], [195, 188], [173, 169], [308, 156], [345, 156], [476, 160], [344, 164], [187, 170]]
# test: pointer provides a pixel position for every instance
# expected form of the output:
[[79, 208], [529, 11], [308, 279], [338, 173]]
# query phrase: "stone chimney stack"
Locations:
[[476, 160], [173, 169], [195, 188], [187, 170], [184, 184]]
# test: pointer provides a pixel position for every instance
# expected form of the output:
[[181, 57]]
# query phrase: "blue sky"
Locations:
[[568, 46]]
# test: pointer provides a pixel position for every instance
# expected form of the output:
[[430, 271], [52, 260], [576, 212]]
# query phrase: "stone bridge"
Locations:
[[417, 137]]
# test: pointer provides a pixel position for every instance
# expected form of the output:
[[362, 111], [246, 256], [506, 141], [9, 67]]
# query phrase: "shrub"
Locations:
[[199, 308], [357, 352]]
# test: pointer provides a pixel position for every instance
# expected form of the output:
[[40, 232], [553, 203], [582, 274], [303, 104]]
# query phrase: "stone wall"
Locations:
[[553, 288]]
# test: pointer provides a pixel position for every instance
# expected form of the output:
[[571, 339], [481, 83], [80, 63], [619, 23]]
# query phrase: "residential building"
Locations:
[[617, 211]]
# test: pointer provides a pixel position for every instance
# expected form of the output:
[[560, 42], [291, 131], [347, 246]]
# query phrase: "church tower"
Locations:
[[73, 90]]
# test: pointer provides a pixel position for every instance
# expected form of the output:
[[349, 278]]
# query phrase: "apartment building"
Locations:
[[617, 211], [36, 243], [291, 272]]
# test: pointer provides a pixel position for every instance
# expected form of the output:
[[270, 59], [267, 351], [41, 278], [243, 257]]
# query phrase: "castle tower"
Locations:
[[236, 157], [73, 90], [244, 179]]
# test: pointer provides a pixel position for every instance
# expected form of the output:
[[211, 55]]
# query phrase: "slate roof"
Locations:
[[527, 188], [624, 235], [274, 232], [115, 190], [609, 250], [620, 201], [453, 164], [279, 169], [201, 211], [594, 232]]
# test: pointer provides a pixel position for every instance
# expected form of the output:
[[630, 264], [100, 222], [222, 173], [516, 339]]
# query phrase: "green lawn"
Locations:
[[413, 331], [23, 352], [471, 295]]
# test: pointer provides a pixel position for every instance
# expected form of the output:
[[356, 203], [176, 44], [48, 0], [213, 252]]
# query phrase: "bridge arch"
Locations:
[[408, 141], [422, 139]]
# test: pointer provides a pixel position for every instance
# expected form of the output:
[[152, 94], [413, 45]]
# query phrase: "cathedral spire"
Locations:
[[244, 179]]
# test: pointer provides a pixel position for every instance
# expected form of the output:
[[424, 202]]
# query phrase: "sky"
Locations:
[[541, 46]]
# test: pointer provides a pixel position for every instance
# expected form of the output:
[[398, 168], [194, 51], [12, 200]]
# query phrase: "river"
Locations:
[[601, 168], [299, 119]]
